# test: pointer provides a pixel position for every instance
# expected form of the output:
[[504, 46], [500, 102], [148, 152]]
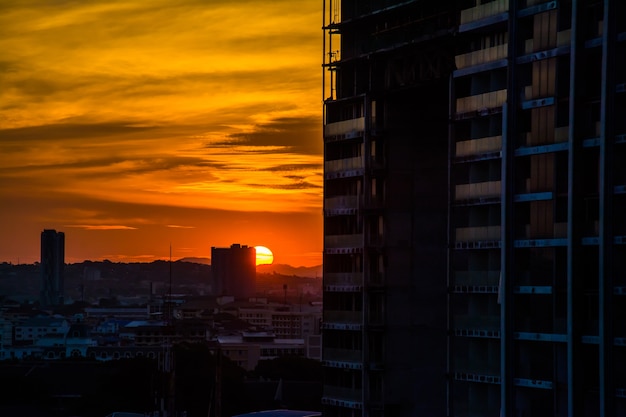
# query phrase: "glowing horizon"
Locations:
[[131, 124]]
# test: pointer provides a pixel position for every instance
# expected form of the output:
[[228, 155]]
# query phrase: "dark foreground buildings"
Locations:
[[474, 200]]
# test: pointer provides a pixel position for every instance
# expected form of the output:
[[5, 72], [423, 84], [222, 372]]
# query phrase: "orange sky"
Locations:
[[131, 125]]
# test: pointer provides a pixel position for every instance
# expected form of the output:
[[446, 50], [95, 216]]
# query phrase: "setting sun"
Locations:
[[264, 256]]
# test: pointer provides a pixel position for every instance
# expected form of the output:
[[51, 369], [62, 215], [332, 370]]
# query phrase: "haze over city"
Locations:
[[132, 126]]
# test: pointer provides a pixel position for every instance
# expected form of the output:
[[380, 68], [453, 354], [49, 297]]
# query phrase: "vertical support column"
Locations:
[[505, 294], [450, 241], [605, 278], [507, 250], [367, 279], [323, 60], [574, 217]]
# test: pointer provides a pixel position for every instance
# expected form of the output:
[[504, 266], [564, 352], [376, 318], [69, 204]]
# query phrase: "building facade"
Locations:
[[52, 266], [33, 329], [295, 321], [234, 271], [525, 175], [385, 198]]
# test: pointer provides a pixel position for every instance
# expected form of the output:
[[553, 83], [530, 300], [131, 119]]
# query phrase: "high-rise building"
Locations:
[[385, 204], [493, 129], [234, 271], [52, 266]]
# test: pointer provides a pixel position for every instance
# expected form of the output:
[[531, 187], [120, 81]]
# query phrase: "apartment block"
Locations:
[[234, 271], [388, 67], [52, 267], [494, 129]]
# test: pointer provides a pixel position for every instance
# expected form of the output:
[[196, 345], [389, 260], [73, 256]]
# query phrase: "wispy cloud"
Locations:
[[100, 227]]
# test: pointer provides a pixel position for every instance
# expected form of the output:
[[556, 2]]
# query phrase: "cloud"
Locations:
[[100, 227], [143, 58], [289, 134], [176, 226], [295, 185], [121, 162], [67, 131]]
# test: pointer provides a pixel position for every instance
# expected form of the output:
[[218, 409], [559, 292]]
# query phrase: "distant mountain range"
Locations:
[[282, 269], [203, 261], [300, 271]]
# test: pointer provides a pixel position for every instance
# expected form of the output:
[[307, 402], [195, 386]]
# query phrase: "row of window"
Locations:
[[76, 353], [282, 352]]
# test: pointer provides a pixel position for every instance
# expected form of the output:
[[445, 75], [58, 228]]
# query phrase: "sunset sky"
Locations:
[[134, 125]]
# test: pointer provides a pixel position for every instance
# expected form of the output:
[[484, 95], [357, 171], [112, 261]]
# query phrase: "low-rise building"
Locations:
[[35, 328], [286, 321]]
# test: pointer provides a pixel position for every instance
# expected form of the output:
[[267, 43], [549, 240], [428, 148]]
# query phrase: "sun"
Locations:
[[264, 256]]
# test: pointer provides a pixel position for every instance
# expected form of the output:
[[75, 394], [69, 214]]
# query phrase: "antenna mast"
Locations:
[[169, 297]]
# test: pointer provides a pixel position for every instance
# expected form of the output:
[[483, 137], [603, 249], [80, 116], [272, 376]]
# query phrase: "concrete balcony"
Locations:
[[345, 127], [488, 100], [473, 234], [342, 202], [343, 278], [346, 164], [482, 11], [481, 56], [344, 241], [479, 146], [478, 190]]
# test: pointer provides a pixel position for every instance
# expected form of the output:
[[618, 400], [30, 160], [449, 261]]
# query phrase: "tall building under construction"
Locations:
[[474, 200]]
